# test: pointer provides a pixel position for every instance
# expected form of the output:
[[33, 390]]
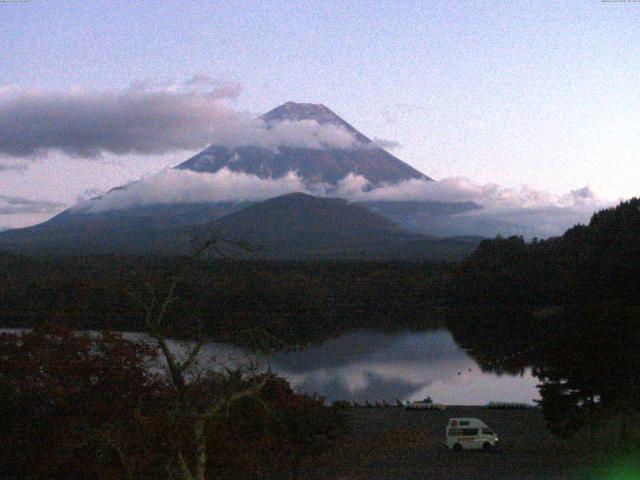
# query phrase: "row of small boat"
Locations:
[[509, 406], [425, 405], [367, 403]]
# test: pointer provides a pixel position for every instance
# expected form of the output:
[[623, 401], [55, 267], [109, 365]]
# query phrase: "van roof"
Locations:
[[471, 422]]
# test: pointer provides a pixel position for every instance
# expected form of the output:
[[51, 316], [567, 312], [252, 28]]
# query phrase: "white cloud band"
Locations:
[[142, 120]]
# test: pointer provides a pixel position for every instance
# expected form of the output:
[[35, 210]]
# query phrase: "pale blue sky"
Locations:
[[540, 93]]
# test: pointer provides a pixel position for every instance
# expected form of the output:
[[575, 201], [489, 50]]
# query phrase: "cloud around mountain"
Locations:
[[543, 213], [461, 189], [506, 211], [185, 186], [172, 186], [10, 205], [143, 119], [146, 120]]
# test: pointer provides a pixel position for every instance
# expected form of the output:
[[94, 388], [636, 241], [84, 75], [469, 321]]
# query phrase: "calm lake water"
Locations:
[[375, 366], [408, 366]]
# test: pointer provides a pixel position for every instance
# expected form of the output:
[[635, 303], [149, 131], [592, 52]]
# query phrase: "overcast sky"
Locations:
[[536, 93]]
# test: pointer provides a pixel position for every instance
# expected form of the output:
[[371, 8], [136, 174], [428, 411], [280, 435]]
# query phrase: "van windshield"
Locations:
[[487, 431]]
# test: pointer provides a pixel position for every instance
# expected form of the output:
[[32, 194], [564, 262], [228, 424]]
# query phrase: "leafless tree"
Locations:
[[201, 393]]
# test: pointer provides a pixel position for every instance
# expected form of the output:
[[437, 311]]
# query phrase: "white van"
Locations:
[[470, 434]]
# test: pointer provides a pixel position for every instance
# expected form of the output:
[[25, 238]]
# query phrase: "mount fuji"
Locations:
[[166, 227]]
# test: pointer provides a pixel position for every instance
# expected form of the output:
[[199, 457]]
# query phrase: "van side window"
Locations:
[[487, 431], [455, 432], [470, 431]]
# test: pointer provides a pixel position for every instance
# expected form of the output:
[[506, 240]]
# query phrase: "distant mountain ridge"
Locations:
[[298, 225], [301, 211], [302, 222], [137, 230], [292, 226]]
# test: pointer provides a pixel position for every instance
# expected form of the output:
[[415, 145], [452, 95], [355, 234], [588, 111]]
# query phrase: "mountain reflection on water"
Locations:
[[373, 366]]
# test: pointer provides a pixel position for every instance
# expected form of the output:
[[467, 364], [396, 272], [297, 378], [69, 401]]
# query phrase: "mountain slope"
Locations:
[[298, 225], [312, 165], [138, 230]]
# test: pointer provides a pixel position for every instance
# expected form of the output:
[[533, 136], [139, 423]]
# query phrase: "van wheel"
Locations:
[[457, 447], [486, 446]]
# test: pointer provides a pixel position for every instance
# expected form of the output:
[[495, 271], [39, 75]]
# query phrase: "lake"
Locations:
[[373, 366]]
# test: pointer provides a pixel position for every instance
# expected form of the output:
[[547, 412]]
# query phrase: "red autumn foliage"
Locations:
[[280, 431], [76, 405]]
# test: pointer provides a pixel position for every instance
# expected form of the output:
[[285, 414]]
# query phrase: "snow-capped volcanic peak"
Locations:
[[325, 164], [301, 111], [317, 112]]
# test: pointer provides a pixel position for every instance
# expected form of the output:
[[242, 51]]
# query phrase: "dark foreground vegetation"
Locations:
[[568, 307], [74, 406]]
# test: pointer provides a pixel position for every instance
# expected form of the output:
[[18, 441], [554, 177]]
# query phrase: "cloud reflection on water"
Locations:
[[373, 366], [410, 365]]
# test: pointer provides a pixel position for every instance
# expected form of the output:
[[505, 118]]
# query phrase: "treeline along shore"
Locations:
[[293, 301]]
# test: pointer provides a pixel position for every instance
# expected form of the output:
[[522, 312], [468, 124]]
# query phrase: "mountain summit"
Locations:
[[303, 111], [312, 165], [296, 112]]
